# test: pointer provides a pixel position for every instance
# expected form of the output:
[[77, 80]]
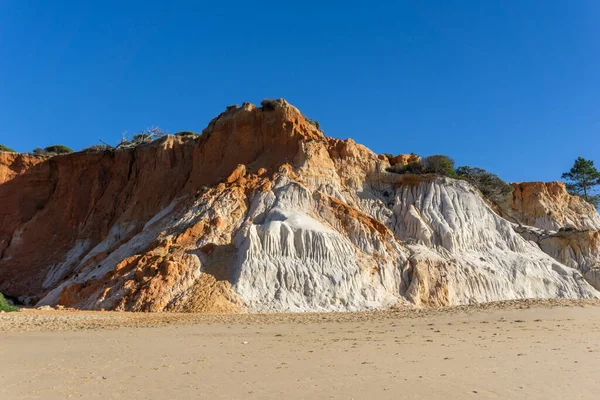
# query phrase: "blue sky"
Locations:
[[510, 86]]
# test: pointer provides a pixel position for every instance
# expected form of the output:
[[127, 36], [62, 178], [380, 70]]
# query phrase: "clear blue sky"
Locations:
[[510, 86]]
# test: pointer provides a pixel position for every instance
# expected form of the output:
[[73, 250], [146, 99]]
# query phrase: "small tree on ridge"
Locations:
[[581, 180]]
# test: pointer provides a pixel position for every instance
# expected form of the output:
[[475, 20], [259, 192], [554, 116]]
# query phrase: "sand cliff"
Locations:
[[264, 213]]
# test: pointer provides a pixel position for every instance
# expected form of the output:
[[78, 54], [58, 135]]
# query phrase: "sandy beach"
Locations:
[[517, 350]]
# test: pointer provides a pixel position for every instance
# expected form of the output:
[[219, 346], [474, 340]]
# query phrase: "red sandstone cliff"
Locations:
[[49, 205], [13, 164], [262, 212], [547, 205]]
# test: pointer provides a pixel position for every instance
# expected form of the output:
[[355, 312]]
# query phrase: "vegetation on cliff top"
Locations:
[[53, 150], [145, 136], [187, 133], [436, 164], [582, 179], [270, 104], [490, 185]]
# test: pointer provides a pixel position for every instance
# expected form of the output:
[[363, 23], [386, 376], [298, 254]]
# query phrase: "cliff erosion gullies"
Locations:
[[263, 213]]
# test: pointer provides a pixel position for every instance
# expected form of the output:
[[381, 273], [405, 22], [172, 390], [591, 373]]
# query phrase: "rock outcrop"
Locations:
[[564, 226], [263, 213], [13, 164], [403, 159], [547, 205]]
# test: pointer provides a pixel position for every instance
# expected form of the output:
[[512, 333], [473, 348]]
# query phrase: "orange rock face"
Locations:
[[547, 205], [405, 159], [572, 225], [60, 208], [13, 164]]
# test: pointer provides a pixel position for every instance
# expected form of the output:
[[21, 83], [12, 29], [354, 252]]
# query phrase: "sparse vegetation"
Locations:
[[53, 150], [490, 185], [187, 133], [269, 104], [142, 138], [145, 136], [581, 179], [416, 168], [7, 149], [314, 123], [436, 164], [389, 156], [98, 148], [6, 306], [58, 149]]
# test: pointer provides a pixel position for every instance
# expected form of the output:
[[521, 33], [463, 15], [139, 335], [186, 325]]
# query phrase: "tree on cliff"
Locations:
[[581, 180], [490, 185]]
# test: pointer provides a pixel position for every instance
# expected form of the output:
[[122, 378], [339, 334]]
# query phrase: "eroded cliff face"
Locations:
[[563, 226], [547, 205], [262, 213], [13, 164]]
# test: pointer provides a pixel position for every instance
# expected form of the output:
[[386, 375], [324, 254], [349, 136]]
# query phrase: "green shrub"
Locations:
[[389, 156], [269, 104], [5, 306], [412, 168], [53, 150], [58, 149], [7, 149], [438, 164], [490, 185]]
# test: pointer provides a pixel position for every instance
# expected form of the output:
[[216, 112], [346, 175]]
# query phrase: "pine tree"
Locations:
[[582, 179]]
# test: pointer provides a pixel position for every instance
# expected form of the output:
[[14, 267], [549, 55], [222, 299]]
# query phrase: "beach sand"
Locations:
[[511, 350]]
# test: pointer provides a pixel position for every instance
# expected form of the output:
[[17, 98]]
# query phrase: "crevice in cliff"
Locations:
[[53, 179], [3, 251]]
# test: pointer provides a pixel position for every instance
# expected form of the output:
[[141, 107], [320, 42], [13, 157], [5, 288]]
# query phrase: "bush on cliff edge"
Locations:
[[7, 149], [490, 185], [436, 164], [53, 150]]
